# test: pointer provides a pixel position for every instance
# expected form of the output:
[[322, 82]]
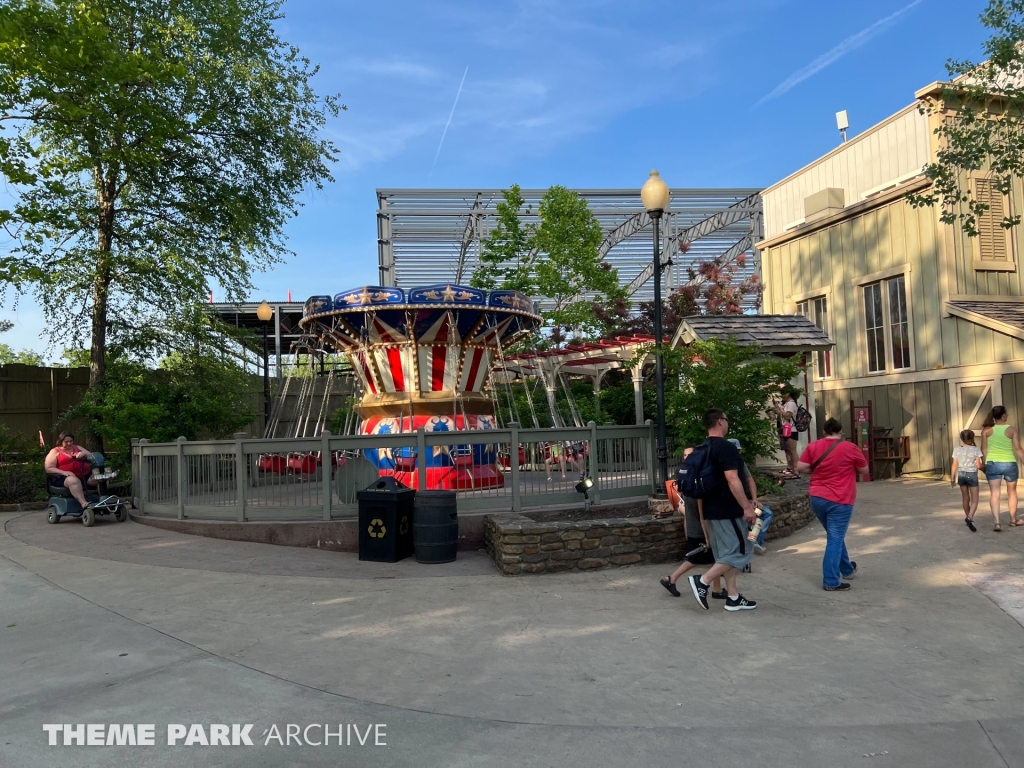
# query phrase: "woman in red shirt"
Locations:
[[834, 464], [68, 464]]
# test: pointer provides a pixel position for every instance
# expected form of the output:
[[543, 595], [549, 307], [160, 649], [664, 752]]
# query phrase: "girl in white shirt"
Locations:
[[964, 472]]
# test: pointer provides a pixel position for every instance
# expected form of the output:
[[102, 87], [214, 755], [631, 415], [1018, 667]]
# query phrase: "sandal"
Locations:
[[997, 528], [1016, 523]]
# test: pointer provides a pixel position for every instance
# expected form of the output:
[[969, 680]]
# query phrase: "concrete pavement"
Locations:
[[918, 665]]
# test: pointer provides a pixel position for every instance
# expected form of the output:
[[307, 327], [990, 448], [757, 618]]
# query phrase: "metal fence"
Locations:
[[248, 479]]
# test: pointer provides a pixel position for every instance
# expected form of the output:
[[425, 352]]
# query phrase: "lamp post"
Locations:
[[655, 197], [265, 312]]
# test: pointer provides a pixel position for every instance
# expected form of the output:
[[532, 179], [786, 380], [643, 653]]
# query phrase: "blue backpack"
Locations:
[[696, 476]]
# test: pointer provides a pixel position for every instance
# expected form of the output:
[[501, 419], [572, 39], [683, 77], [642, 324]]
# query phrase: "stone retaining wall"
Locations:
[[520, 545]]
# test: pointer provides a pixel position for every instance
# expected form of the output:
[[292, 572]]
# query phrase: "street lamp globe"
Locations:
[[264, 312], [655, 193]]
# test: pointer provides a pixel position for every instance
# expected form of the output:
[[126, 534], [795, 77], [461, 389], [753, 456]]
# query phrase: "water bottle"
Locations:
[[755, 529]]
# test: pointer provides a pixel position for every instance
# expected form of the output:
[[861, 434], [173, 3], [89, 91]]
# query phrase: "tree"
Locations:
[[741, 380], [153, 147], [981, 128], [715, 287], [195, 395], [25, 356], [556, 259]]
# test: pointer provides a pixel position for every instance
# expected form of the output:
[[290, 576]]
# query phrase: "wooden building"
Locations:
[[928, 323]]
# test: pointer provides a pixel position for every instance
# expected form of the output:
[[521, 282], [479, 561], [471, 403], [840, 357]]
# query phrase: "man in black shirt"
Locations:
[[727, 511]]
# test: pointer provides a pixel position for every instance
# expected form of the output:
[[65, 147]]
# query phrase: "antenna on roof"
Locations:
[[842, 122]]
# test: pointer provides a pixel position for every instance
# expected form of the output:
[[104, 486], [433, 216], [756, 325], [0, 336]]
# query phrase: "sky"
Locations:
[[583, 94]]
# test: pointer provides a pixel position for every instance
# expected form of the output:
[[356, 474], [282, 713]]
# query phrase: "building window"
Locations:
[[887, 325], [899, 327], [816, 310], [993, 247], [875, 327]]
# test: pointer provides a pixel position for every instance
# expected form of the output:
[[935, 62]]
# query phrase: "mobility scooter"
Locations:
[[63, 504]]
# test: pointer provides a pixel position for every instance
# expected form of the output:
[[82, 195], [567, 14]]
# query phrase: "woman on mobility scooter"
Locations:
[[69, 465]]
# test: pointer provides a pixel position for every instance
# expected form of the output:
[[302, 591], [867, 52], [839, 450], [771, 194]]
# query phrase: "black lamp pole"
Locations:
[[659, 381]]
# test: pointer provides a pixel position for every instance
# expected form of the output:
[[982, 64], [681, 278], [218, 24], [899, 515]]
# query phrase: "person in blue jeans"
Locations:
[[833, 464]]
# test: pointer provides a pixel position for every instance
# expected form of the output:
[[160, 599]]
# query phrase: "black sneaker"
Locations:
[[841, 588], [670, 587], [853, 573], [719, 595], [970, 524], [746, 568], [700, 591], [740, 604]]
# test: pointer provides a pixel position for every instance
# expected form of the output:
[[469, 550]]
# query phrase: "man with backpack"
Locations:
[[711, 474]]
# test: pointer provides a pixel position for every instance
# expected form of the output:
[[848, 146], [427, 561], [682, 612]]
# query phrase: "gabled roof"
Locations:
[[776, 333], [1001, 316]]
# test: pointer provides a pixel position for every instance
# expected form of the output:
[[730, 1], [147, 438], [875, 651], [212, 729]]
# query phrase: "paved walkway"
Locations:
[[919, 665]]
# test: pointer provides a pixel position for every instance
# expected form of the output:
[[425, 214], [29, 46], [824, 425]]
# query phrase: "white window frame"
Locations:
[[882, 277], [823, 357]]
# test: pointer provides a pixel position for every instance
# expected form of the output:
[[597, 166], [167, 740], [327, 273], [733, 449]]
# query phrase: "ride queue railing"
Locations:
[[253, 479]]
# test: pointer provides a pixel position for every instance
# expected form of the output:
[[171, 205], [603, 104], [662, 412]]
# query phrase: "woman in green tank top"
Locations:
[[1000, 443]]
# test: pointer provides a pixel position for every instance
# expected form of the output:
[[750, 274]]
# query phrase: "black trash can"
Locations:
[[385, 521], [435, 527]]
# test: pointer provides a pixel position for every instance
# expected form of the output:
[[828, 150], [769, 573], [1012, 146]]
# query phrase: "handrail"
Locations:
[[240, 479]]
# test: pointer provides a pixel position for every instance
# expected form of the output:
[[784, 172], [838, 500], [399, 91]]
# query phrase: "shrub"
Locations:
[[21, 468]]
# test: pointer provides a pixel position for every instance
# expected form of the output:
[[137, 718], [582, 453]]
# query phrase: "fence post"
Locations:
[[241, 476], [326, 462], [513, 461], [592, 455], [652, 451], [182, 484], [140, 483], [421, 458]]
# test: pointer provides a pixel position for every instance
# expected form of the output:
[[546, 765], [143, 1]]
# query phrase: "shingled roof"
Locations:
[[1002, 316], [774, 332]]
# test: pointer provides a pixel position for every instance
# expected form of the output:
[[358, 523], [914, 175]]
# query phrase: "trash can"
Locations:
[[435, 527], [385, 521]]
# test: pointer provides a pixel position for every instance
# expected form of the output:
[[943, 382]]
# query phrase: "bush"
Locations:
[[22, 477]]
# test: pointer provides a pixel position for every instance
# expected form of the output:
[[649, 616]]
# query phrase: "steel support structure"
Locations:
[[428, 236]]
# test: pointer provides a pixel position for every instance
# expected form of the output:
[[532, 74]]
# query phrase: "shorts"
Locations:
[[58, 480], [729, 542], [1002, 470], [967, 479], [704, 558]]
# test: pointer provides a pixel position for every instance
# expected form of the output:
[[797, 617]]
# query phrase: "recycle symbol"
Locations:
[[403, 527], [376, 528]]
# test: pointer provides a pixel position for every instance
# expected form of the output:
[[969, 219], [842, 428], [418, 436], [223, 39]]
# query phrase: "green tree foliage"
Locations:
[[152, 147], [193, 395], [556, 259], [739, 379], [21, 468], [25, 356], [982, 129]]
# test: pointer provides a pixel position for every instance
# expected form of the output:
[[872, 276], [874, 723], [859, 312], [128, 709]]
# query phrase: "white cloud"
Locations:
[[394, 68], [852, 43]]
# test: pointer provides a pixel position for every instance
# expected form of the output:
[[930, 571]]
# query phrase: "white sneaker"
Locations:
[[760, 549]]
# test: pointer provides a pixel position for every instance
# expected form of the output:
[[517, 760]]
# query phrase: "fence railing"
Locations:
[[251, 479]]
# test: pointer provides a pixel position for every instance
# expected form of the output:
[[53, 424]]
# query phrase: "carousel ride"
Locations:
[[423, 357]]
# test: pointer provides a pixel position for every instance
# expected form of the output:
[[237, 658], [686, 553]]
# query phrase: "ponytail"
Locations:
[[967, 437], [993, 416]]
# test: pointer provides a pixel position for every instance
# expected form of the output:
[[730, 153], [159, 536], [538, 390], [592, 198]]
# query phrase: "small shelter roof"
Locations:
[[775, 333], [1002, 316]]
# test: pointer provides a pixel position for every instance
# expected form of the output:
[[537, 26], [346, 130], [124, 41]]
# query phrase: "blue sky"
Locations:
[[585, 94]]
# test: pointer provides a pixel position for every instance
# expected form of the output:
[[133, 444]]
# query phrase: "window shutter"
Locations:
[[991, 236]]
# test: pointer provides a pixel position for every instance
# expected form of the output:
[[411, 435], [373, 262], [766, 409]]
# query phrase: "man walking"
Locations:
[[727, 511], [833, 464]]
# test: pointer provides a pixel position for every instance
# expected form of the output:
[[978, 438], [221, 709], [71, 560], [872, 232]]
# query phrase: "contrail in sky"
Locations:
[[450, 115], [852, 43]]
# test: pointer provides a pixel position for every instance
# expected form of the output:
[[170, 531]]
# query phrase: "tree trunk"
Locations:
[[101, 290]]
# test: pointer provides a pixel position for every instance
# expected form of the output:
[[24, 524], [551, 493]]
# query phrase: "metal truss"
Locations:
[[429, 236]]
